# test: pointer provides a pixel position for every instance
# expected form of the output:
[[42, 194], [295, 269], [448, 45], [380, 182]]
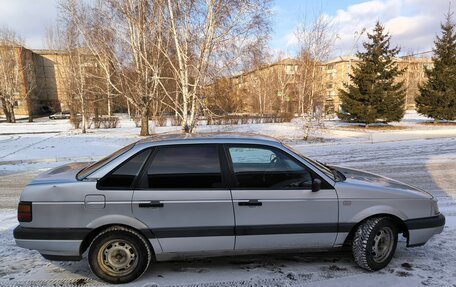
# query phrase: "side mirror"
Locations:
[[316, 184]]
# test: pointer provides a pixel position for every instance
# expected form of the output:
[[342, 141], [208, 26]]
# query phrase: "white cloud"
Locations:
[[291, 39], [413, 24], [29, 18]]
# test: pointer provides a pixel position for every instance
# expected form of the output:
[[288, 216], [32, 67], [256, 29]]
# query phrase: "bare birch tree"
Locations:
[[200, 31], [165, 52], [316, 42], [126, 36]]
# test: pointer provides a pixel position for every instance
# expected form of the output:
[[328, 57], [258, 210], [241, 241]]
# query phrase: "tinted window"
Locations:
[[125, 174], [183, 167], [262, 167]]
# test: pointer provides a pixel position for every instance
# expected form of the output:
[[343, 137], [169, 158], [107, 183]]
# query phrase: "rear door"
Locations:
[[274, 205], [184, 199]]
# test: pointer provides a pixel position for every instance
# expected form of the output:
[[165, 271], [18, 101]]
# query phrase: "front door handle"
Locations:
[[252, 202], [151, 204]]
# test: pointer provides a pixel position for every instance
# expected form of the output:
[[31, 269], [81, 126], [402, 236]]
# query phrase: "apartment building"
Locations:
[[42, 80], [335, 74]]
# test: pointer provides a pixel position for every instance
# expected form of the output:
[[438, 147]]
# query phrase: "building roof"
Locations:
[[286, 61], [48, 52], [342, 59]]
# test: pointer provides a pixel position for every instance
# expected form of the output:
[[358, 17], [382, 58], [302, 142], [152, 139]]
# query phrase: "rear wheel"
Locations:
[[374, 243], [119, 255]]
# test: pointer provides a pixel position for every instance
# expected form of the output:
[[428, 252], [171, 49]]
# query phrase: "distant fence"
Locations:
[[169, 121]]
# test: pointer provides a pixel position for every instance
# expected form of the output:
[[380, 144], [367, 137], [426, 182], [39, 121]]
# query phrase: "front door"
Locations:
[[183, 198], [274, 205]]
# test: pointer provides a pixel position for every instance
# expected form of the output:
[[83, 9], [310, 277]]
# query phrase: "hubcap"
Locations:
[[382, 244], [118, 257]]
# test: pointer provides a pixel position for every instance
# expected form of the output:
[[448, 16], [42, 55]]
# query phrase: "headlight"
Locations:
[[434, 207]]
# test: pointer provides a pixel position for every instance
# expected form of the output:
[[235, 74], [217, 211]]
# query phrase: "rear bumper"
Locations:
[[63, 243], [420, 230]]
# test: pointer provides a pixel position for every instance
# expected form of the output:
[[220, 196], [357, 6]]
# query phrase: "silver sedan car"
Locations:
[[212, 194]]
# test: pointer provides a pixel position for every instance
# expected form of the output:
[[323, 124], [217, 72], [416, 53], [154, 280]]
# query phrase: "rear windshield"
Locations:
[[96, 165]]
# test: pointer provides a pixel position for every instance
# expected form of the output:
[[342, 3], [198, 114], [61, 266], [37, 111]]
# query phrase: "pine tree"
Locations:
[[374, 94], [437, 97]]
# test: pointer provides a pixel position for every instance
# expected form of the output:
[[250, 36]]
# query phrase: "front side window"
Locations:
[[125, 174], [184, 167], [268, 168]]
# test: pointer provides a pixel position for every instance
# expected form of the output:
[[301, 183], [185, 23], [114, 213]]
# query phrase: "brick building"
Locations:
[[42, 84]]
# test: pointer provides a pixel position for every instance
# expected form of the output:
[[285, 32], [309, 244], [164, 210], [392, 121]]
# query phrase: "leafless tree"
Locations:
[[78, 66], [224, 97], [164, 53], [126, 37], [201, 32], [316, 42]]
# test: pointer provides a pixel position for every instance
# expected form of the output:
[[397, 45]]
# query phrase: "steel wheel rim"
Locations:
[[382, 244], [118, 257]]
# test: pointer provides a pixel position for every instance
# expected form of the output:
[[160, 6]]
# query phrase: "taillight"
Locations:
[[24, 212]]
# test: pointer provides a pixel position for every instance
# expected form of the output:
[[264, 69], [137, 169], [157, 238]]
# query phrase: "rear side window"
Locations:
[[125, 174], [267, 168], [184, 167], [91, 168]]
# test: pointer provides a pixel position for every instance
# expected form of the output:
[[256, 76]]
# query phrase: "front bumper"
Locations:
[[420, 230]]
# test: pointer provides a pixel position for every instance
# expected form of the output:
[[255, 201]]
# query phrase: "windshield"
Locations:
[[323, 168], [96, 165]]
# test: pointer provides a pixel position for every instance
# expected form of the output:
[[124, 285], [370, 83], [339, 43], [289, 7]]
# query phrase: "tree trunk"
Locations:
[[84, 116], [194, 111], [6, 111], [128, 109], [30, 111], [11, 112], [144, 122], [84, 123], [109, 106], [108, 86]]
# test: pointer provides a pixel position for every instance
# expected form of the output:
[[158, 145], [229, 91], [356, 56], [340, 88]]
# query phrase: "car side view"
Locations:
[[60, 116], [179, 196]]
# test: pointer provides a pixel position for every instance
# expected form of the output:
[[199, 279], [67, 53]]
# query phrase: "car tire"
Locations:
[[374, 243], [119, 255]]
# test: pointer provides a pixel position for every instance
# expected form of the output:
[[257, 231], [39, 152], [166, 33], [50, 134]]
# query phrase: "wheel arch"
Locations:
[[108, 221], [402, 227]]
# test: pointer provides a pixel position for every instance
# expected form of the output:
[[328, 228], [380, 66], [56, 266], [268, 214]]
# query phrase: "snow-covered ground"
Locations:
[[427, 163]]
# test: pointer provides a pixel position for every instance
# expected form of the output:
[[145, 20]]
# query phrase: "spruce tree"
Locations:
[[374, 93], [437, 97]]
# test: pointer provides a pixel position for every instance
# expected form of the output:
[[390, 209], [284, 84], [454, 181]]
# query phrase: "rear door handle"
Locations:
[[151, 204], [252, 202]]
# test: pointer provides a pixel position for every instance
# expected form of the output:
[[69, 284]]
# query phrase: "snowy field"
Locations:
[[413, 153]]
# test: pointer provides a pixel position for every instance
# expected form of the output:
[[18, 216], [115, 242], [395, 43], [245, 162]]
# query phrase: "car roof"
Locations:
[[226, 137]]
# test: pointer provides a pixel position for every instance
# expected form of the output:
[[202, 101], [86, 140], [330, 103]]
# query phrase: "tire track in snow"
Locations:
[[29, 146]]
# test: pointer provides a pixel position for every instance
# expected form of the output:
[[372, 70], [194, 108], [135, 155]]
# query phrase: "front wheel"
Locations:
[[119, 255], [374, 243]]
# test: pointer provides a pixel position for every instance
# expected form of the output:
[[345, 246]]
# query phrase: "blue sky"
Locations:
[[288, 12], [413, 23]]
